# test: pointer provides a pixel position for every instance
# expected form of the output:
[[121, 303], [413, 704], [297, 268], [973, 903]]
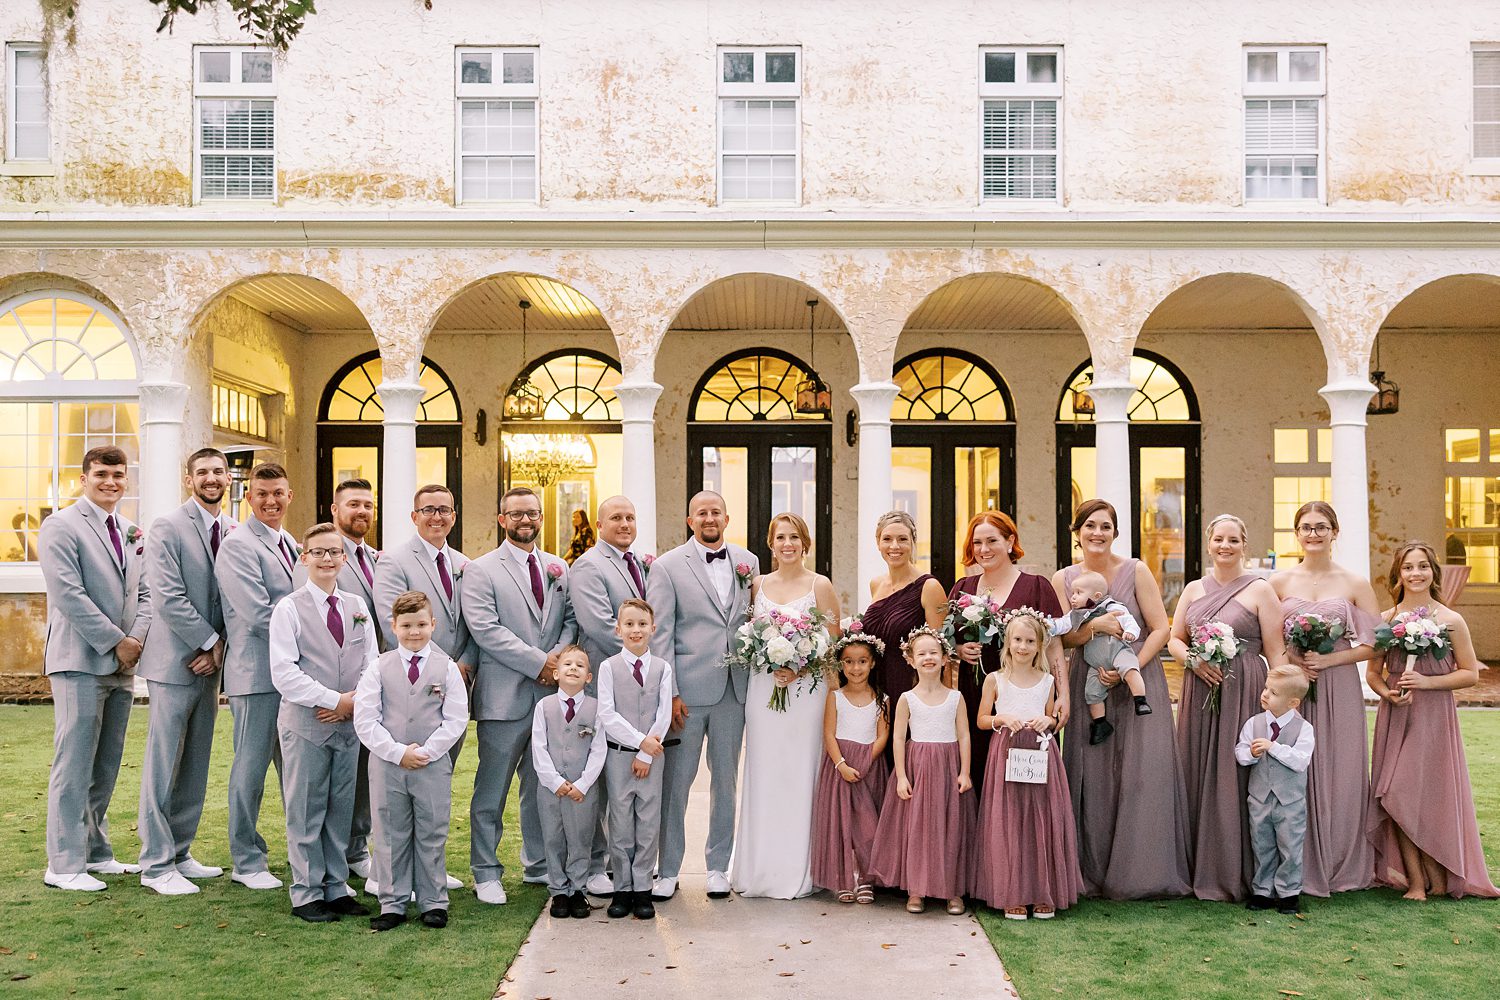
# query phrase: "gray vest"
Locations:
[[1271, 778], [411, 713], [634, 703], [335, 667], [567, 743]]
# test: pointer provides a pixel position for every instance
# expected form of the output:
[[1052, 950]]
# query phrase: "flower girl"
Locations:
[[852, 779], [922, 843], [1028, 850]]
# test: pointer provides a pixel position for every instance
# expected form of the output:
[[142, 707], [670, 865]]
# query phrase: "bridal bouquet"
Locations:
[[1214, 643], [973, 618], [1313, 634], [773, 640], [1414, 632]]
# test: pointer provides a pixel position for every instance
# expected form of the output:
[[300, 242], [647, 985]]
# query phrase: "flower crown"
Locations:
[[1026, 612], [911, 637], [855, 639]]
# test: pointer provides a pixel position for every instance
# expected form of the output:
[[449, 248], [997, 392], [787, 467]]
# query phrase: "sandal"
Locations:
[[956, 907], [915, 904], [1043, 912], [846, 895], [1016, 913], [864, 894]]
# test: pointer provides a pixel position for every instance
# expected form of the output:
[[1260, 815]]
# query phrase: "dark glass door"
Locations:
[[355, 451]]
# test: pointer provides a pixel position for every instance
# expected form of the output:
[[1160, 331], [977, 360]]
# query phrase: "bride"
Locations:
[[773, 840]]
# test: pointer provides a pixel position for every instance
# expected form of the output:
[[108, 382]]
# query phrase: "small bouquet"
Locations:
[[1414, 632], [1214, 642], [973, 618], [774, 640], [1313, 634]]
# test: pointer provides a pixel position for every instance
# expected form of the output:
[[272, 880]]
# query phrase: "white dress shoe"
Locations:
[[113, 867], [490, 892], [189, 867], [664, 889], [173, 883], [360, 868], [454, 883], [80, 882], [256, 880], [717, 884], [600, 885]]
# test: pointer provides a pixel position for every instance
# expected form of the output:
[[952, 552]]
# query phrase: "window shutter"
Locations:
[[1487, 104], [1027, 127], [1283, 125]]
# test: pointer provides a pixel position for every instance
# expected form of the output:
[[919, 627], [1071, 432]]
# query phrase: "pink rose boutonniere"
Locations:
[[554, 573], [435, 690], [646, 562], [743, 573], [360, 618], [134, 534]]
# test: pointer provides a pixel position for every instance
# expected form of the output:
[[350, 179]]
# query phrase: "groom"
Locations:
[[700, 592]]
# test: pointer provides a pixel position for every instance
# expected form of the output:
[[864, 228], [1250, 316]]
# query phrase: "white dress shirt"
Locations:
[[432, 553], [616, 726], [520, 555], [1294, 755], [209, 519], [103, 515], [541, 760], [290, 680], [369, 725], [720, 571]]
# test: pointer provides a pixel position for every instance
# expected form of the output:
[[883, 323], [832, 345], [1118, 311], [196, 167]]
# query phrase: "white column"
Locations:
[[163, 413], [1347, 401], [874, 400], [1112, 453], [398, 479], [638, 457]]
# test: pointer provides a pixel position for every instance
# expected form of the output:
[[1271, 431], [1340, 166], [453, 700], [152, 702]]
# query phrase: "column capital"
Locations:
[[1111, 400], [162, 401], [1348, 401], [399, 401], [638, 399], [875, 400]]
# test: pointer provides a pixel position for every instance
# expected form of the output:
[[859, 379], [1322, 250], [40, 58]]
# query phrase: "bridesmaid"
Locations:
[[1218, 817], [1128, 795], [901, 600], [994, 545], [1422, 822], [1337, 857]]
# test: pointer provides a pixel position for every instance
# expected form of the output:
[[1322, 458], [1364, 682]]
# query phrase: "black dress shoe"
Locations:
[[578, 906], [1260, 903], [1141, 705], [349, 907], [559, 906], [385, 921], [643, 909], [1289, 904], [316, 912], [622, 904], [1099, 731], [435, 918]]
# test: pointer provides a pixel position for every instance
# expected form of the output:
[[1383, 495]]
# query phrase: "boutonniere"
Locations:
[[554, 573], [134, 534], [743, 573], [360, 618], [458, 574], [586, 732], [646, 562], [435, 690]]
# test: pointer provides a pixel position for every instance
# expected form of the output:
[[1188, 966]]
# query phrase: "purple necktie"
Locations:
[[569, 716], [114, 539], [364, 567], [635, 574], [213, 538], [637, 671], [1275, 729], [536, 583], [412, 672], [442, 565], [335, 620], [286, 553]]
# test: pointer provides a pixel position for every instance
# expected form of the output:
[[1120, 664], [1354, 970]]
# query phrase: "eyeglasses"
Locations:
[[523, 515], [1315, 530], [318, 554], [431, 511]]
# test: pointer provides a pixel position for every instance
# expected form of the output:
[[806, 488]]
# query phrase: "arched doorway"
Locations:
[[748, 441], [1165, 468], [351, 441], [953, 452]]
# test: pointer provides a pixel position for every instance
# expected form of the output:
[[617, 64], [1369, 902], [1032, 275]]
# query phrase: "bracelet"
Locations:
[[841, 763]]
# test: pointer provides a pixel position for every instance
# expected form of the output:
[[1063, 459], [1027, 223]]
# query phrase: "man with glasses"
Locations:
[[517, 608]]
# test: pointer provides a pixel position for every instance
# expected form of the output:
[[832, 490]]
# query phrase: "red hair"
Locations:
[[1002, 523]]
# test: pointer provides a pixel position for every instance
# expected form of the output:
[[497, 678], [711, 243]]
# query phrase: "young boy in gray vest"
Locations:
[[567, 751], [1277, 746], [1089, 598], [410, 708], [635, 709], [321, 639]]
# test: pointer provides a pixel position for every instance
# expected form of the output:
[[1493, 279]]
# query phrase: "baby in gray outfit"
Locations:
[[1089, 598]]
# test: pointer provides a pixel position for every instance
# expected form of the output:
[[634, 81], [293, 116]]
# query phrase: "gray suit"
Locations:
[[184, 706], [253, 576], [1278, 816], [93, 602], [694, 630], [515, 638]]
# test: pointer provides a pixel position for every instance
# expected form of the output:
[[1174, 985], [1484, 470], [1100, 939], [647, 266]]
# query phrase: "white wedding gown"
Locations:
[[773, 838]]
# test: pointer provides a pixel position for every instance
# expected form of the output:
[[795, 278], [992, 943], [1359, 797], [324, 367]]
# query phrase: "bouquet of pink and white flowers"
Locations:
[[775, 640], [973, 618], [1313, 634], [1414, 632], [1214, 643]]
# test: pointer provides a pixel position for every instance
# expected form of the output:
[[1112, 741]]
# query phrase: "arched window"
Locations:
[[352, 395], [67, 384], [1161, 393], [949, 385], [752, 385], [575, 385]]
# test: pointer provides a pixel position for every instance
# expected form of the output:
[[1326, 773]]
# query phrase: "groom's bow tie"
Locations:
[[721, 554]]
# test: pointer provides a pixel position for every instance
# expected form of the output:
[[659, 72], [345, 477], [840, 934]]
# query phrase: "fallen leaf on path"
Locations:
[[1289, 993], [784, 975], [222, 926], [671, 966], [178, 927], [548, 972], [1455, 941], [962, 955], [887, 946]]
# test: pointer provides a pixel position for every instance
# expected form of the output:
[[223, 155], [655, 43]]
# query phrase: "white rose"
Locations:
[[1231, 646], [780, 651], [768, 633], [804, 646], [974, 612]]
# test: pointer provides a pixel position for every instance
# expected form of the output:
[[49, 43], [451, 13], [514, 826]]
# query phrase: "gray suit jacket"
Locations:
[[407, 567], [252, 576], [597, 585], [351, 580], [693, 630], [514, 636], [184, 593], [91, 604]]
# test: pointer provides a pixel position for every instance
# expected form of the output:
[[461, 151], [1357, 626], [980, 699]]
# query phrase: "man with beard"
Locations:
[[180, 663], [515, 602], [700, 592]]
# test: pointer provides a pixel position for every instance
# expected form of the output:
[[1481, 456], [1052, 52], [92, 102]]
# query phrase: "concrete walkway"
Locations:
[[752, 948]]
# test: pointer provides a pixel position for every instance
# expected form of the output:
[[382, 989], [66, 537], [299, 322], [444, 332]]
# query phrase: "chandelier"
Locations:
[[545, 458]]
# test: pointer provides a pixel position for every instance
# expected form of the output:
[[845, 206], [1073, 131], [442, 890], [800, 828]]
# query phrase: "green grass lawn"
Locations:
[[226, 940], [1355, 945]]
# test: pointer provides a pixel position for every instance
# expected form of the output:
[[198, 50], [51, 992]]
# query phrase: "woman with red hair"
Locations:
[[994, 545]]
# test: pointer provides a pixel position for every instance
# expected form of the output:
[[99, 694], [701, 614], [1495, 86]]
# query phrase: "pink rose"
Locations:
[[554, 571]]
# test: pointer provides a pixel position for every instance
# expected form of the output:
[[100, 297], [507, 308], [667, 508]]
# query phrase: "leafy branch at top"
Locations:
[[273, 23]]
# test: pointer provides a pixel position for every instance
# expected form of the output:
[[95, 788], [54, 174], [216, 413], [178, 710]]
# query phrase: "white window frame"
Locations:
[[233, 90], [496, 91], [1318, 465], [1022, 89], [1484, 465], [1286, 89], [11, 164], [757, 90], [1479, 165]]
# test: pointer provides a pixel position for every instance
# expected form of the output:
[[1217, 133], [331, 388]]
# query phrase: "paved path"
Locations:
[[752, 948]]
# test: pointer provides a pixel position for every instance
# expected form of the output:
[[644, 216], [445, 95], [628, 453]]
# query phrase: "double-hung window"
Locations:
[[1303, 458], [1020, 91], [497, 124], [760, 126], [1486, 123], [28, 131], [1471, 501], [234, 93], [1284, 93]]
